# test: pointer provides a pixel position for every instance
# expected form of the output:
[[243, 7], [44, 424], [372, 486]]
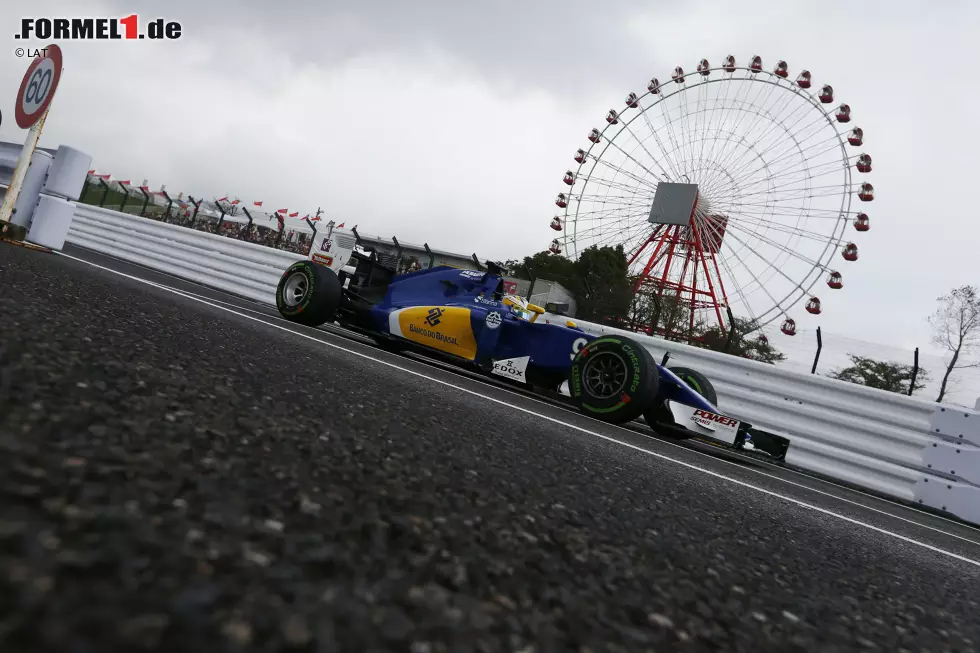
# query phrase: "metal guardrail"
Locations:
[[900, 446], [235, 266]]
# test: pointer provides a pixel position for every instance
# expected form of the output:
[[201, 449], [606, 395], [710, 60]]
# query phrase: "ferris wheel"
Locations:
[[732, 189]]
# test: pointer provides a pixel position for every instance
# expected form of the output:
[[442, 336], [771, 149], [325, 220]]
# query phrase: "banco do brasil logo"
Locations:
[[434, 317]]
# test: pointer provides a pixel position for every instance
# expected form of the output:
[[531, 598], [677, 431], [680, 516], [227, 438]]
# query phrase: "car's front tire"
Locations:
[[660, 413], [698, 382], [308, 294], [613, 379]]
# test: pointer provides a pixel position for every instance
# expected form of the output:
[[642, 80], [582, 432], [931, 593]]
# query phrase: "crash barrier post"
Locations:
[[170, 204], [221, 220], [312, 237], [105, 191], [904, 447], [197, 208], [915, 372], [731, 330], [125, 197], [146, 200], [248, 228], [655, 318], [816, 357], [529, 271]]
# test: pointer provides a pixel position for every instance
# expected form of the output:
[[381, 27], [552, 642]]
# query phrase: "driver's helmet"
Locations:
[[518, 306]]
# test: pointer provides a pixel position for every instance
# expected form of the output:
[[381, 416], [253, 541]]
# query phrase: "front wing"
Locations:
[[693, 415], [721, 429]]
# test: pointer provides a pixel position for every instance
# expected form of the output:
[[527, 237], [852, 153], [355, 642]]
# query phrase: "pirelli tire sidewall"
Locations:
[[322, 297], [639, 392]]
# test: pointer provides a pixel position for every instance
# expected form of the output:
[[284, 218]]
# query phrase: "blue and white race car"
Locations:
[[465, 318]]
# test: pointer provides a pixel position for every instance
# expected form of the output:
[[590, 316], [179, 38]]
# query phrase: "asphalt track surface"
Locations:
[[182, 470]]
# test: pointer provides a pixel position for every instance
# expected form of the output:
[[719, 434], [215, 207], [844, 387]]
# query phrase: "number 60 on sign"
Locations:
[[38, 87]]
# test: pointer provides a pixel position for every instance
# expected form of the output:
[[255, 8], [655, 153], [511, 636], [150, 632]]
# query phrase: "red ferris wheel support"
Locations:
[[684, 263]]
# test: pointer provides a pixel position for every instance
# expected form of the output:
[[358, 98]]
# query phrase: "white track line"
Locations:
[[574, 427], [631, 431]]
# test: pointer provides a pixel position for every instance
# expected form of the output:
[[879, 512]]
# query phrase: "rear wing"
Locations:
[[333, 248]]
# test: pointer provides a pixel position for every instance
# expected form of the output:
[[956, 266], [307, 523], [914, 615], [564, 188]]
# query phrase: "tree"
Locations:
[[605, 289], [883, 375], [513, 268], [545, 265], [597, 279], [672, 313], [956, 328], [743, 342]]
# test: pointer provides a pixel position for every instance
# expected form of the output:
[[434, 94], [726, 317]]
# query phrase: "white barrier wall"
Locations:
[[900, 446], [241, 268]]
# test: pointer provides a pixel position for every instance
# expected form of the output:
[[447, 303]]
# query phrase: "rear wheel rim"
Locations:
[[690, 380], [295, 289], [604, 374]]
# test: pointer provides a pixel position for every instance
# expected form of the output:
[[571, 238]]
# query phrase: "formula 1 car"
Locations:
[[465, 318]]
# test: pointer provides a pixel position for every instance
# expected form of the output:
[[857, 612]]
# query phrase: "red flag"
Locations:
[[223, 199], [103, 176], [282, 211], [257, 203], [306, 216], [293, 215], [316, 219], [91, 172], [340, 226], [124, 183], [235, 201], [146, 188]]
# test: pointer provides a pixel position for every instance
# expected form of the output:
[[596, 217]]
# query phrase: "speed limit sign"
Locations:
[[38, 87], [33, 99]]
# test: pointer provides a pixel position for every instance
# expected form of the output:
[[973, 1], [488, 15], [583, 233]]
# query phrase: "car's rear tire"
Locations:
[[659, 412], [308, 294], [613, 379]]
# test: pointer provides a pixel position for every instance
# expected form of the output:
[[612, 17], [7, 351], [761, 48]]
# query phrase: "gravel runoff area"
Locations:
[[177, 477]]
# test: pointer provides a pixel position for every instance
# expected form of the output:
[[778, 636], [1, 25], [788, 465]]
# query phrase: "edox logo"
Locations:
[[434, 317]]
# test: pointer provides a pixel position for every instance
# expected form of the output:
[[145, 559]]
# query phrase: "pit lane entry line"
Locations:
[[734, 481], [330, 332]]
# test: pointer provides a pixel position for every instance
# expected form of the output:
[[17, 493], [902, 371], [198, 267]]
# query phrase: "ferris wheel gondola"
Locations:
[[730, 189]]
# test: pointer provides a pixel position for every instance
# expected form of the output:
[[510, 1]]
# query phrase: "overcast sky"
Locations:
[[452, 123]]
